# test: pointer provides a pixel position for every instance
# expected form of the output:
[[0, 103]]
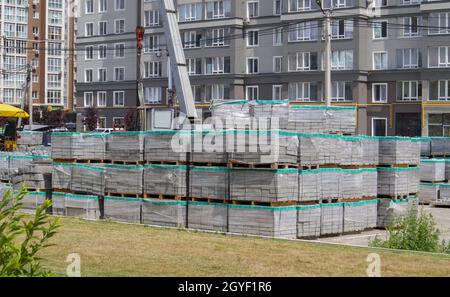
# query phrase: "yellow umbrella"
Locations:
[[8, 111]]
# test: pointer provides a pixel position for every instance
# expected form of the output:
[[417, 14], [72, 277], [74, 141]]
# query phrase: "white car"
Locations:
[[103, 130]]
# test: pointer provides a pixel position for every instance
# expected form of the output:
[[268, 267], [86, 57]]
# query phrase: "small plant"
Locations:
[[416, 231], [91, 118], [21, 239]]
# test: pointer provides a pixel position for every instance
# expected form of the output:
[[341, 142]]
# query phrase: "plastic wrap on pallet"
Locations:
[[207, 216], [447, 169], [308, 221], [413, 180], [372, 212], [393, 181], [369, 182], [440, 146], [166, 145], [61, 176], [263, 146], [170, 213], [4, 166], [444, 193], [330, 179], [341, 119], [62, 143], [432, 170], [370, 150], [307, 119], [416, 144], [19, 161], [33, 176], [59, 203], [89, 146], [209, 182], [266, 112], [319, 149], [352, 151], [82, 206], [263, 220], [425, 146], [30, 138], [389, 210], [332, 221], [32, 200], [165, 179], [309, 185], [429, 192], [399, 150], [351, 183], [264, 185], [213, 149], [123, 209], [355, 216], [126, 146], [124, 179], [235, 114], [88, 179]]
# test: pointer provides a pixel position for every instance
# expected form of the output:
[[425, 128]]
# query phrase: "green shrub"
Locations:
[[416, 231], [22, 237]]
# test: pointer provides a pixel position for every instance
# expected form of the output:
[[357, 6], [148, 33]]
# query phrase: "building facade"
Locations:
[[34, 36], [390, 58]]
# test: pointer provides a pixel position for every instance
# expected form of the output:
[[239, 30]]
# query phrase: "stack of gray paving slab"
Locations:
[[319, 149], [330, 179], [62, 143], [28, 138], [61, 176], [82, 206], [370, 150], [88, 179], [264, 185], [169, 213], [440, 146], [207, 216], [33, 176], [308, 221], [355, 216], [125, 146], [414, 152], [235, 114], [165, 179], [352, 183], [4, 166], [444, 193], [18, 161], [369, 182], [447, 169], [89, 146], [341, 119], [399, 150], [429, 192], [425, 146], [123, 209], [265, 147], [372, 211], [389, 210], [124, 179], [209, 182], [332, 220], [352, 151], [169, 146], [263, 220], [393, 182], [33, 200], [59, 203], [309, 185], [307, 119], [270, 114], [413, 179], [432, 170], [213, 149]]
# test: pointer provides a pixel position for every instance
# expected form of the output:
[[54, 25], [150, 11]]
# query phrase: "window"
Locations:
[[151, 18], [101, 122], [444, 56], [89, 6], [151, 43], [340, 91], [439, 23], [341, 29], [342, 60], [194, 66], [408, 58], [190, 12], [218, 9], [191, 39], [252, 8], [119, 98], [118, 123], [102, 75], [102, 50], [305, 31], [379, 92], [303, 61], [217, 65], [102, 28], [444, 90], [119, 50], [101, 99], [102, 6], [88, 75], [379, 3], [252, 65], [379, 126], [380, 60], [277, 7], [119, 26], [152, 95], [216, 92], [300, 91], [277, 64], [119, 73], [380, 30], [299, 5], [252, 93], [252, 38], [217, 37], [89, 30], [277, 92], [278, 36], [89, 53], [411, 26], [120, 4], [88, 99], [152, 69], [409, 91]]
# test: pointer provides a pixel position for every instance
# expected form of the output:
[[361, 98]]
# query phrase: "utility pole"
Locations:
[[140, 86], [27, 93], [327, 55]]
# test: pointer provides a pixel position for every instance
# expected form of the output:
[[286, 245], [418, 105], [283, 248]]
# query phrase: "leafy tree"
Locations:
[[416, 231], [131, 121], [22, 238], [91, 118]]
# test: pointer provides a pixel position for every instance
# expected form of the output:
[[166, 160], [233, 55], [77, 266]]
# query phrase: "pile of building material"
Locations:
[[330, 184], [82, 206], [88, 179], [171, 213], [319, 149], [209, 182], [208, 216], [264, 185], [270, 114], [309, 185], [159, 146], [235, 114], [61, 176], [165, 180], [389, 210], [352, 151], [395, 182], [90, 146], [32, 200], [124, 179], [444, 193], [123, 209], [369, 182], [62, 143], [395, 150], [370, 150], [436, 146], [355, 216], [308, 221], [352, 183], [36, 176], [263, 220], [29, 139], [126, 146], [332, 221], [429, 192], [432, 170]]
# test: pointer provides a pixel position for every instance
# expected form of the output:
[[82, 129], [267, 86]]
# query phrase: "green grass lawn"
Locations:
[[112, 249]]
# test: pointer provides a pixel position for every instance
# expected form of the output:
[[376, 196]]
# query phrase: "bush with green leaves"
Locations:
[[22, 237], [416, 231]]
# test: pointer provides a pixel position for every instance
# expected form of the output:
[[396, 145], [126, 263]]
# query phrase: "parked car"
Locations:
[[103, 130]]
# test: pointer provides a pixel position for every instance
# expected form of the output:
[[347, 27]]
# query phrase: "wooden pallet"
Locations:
[[38, 190], [262, 203], [329, 166], [358, 166], [364, 198], [208, 164], [308, 167], [340, 133], [332, 200], [122, 195], [174, 163], [5, 181], [62, 190], [393, 197], [442, 204], [118, 162], [398, 165], [165, 197], [272, 166], [93, 161], [208, 200], [312, 202], [433, 182]]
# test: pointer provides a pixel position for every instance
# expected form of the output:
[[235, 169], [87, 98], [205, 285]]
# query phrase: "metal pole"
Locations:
[[30, 98], [327, 57]]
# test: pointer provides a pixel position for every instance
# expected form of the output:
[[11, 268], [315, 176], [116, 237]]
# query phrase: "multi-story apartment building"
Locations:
[[35, 33], [390, 58]]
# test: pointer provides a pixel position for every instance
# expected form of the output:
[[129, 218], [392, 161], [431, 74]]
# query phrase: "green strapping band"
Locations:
[[206, 168], [28, 157], [260, 207], [398, 168], [118, 166], [81, 197], [123, 199], [358, 203], [308, 207], [443, 185], [289, 170], [207, 203], [337, 204], [275, 102], [38, 193], [164, 202], [432, 160], [119, 133], [231, 102], [400, 201], [394, 138], [80, 166], [430, 184], [323, 107], [160, 166]]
